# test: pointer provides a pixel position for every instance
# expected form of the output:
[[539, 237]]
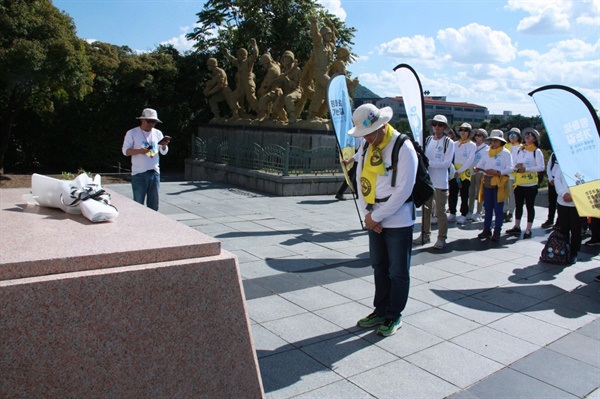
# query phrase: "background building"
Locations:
[[455, 111]]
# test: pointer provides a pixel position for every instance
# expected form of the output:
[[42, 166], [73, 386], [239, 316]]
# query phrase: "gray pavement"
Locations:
[[484, 320]]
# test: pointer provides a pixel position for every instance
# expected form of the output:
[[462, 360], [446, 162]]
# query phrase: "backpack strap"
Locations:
[[428, 140], [395, 153]]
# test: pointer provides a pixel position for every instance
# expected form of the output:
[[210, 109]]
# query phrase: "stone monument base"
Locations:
[[140, 307]]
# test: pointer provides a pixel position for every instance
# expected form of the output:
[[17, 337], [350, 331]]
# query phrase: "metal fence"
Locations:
[[285, 161]]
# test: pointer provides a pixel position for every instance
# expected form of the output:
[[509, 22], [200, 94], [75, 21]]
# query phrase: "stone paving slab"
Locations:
[[484, 320]]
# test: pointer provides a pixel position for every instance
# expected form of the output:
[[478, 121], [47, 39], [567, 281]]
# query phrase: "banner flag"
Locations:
[[340, 111], [412, 95], [573, 129]]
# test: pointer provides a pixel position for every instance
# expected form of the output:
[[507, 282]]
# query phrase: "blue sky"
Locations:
[[487, 52]]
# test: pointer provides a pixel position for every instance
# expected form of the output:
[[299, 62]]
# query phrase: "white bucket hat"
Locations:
[[483, 132], [149, 113], [515, 130], [531, 130], [497, 134], [367, 118], [466, 125], [439, 118]]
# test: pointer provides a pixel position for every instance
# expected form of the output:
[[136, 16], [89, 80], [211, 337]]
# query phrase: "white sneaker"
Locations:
[[469, 217], [440, 243], [433, 220], [476, 217], [461, 219], [451, 217]]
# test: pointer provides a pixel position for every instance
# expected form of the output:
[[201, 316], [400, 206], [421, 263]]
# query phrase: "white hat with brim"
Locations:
[[498, 135], [532, 131], [439, 118], [367, 118], [467, 126], [149, 113], [515, 130], [482, 131]]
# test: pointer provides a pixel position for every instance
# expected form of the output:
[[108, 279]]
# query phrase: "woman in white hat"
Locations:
[[528, 162], [481, 149], [389, 213], [496, 166], [460, 182], [514, 141]]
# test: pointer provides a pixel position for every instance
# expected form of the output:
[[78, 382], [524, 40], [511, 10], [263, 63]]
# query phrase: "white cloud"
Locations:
[[180, 42], [334, 7], [476, 43], [409, 47]]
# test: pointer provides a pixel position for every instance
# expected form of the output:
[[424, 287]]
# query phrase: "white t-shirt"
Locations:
[[136, 138]]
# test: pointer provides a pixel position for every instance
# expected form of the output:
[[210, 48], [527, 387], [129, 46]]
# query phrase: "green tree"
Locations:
[[41, 61]]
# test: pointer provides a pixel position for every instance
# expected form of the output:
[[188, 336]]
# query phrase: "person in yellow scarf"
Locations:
[[513, 144], [496, 165], [389, 213], [528, 162], [464, 156]]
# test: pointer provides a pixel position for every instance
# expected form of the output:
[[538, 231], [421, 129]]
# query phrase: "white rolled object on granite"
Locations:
[[80, 196]]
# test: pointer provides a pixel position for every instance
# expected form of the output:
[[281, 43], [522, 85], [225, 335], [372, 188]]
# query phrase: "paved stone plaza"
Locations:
[[484, 320]]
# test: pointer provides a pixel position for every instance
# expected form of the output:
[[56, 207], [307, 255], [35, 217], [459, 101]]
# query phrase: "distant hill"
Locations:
[[362, 92]]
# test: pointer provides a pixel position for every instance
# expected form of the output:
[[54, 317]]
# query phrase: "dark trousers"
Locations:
[[390, 253], [552, 196], [454, 191], [525, 195], [570, 226]]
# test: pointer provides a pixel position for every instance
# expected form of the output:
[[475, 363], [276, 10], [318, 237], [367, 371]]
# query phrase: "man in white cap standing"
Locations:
[[143, 144], [389, 213], [440, 152]]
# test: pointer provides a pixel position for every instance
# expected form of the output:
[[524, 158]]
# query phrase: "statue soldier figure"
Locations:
[[217, 91], [245, 85]]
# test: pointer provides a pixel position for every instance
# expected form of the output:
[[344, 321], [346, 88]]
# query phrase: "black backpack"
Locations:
[[423, 189], [557, 250]]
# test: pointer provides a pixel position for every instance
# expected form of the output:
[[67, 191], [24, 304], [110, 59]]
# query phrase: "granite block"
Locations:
[[40, 240], [162, 330]]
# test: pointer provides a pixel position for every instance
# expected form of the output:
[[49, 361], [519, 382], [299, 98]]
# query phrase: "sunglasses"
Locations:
[[151, 121], [437, 124], [512, 135], [463, 129], [529, 134], [478, 135]]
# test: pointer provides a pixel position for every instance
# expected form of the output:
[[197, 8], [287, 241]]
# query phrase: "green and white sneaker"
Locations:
[[371, 320], [389, 327]]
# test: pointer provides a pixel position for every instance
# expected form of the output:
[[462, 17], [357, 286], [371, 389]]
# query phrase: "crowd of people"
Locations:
[[496, 174]]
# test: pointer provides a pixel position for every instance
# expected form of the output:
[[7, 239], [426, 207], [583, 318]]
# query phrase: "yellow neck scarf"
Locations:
[[495, 151], [530, 147], [461, 141], [374, 166]]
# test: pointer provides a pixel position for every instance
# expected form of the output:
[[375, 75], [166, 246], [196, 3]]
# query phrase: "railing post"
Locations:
[[286, 160]]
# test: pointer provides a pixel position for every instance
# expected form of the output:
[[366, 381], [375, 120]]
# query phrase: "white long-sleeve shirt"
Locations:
[[464, 155], [439, 161], [480, 151], [533, 162], [501, 161], [560, 185], [396, 211]]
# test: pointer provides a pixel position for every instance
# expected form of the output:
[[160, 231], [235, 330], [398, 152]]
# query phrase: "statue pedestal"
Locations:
[[142, 306]]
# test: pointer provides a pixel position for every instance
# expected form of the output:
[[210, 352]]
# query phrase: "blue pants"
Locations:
[[390, 253], [492, 206], [145, 187]]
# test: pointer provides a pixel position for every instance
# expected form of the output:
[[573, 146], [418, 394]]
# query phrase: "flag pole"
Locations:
[[340, 111]]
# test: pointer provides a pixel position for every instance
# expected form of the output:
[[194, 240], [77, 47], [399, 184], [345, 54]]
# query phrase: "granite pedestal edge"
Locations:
[[136, 324]]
